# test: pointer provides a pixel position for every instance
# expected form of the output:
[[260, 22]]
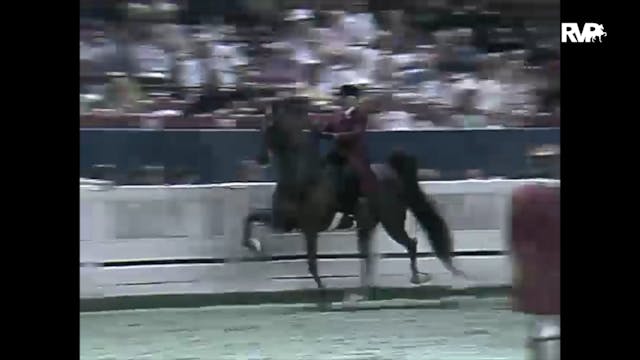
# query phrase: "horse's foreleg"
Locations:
[[364, 247], [261, 216]]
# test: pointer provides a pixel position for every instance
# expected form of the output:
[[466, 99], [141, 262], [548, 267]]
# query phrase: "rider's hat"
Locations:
[[349, 90]]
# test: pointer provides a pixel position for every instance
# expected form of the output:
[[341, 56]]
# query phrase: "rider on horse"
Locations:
[[348, 131]]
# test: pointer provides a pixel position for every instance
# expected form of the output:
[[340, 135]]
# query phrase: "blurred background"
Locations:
[[468, 86]]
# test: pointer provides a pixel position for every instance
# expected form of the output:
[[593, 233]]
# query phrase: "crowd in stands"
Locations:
[[464, 67]]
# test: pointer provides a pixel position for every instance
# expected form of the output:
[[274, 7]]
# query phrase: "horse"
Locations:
[[307, 197]]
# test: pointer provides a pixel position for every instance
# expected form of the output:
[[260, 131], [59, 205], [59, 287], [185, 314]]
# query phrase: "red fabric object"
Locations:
[[535, 244]]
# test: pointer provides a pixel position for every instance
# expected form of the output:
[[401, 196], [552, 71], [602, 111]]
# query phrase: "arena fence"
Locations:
[[138, 241]]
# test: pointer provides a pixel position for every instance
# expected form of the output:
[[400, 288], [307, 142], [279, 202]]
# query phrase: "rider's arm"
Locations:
[[325, 129], [359, 129]]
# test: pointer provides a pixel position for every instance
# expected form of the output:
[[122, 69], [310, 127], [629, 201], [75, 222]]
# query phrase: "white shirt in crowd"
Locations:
[[85, 51], [302, 53], [367, 67], [341, 76], [385, 66], [336, 37], [191, 73], [96, 51], [470, 121], [445, 92], [224, 59], [489, 96], [151, 58], [517, 95], [432, 90], [359, 27], [395, 120], [324, 82], [403, 60]]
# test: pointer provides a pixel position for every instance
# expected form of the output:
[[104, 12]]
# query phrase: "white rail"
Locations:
[[171, 240]]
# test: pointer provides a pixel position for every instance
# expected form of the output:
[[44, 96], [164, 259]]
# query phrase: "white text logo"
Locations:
[[591, 32]]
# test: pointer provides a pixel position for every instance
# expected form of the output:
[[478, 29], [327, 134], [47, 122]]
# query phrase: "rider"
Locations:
[[348, 131]]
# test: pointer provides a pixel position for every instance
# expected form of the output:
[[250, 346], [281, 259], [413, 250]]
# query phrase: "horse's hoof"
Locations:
[[253, 245], [353, 298], [420, 278]]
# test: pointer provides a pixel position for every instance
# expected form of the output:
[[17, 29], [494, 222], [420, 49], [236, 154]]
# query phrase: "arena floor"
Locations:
[[476, 329]]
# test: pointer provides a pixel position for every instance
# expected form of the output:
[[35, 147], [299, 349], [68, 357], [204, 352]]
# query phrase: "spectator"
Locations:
[[397, 28], [191, 71], [468, 116], [226, 60], [319, 84], [279, 66], [349, 49], [385, 65], [490, 91], [336, 37], [358, 26], [366, 64], [298, 36], [151, 58], [223, 58], [212, 98], [124, 94], [395, 117], [97, 51]]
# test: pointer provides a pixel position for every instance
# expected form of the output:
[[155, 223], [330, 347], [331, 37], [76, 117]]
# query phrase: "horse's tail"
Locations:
[[424, 209]]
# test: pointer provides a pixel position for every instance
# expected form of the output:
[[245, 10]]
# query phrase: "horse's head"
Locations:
[[283, 126]]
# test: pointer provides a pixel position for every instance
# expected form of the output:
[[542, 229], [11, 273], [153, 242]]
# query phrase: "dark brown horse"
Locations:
[[306, 196]]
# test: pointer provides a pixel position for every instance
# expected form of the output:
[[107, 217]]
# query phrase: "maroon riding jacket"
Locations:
[[350, 129], [535, 242]]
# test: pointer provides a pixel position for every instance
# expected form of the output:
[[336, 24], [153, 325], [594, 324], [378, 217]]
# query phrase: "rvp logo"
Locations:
[[590, 32]]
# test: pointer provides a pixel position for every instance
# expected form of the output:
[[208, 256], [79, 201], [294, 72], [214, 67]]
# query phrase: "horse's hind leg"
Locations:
[[396, 230]]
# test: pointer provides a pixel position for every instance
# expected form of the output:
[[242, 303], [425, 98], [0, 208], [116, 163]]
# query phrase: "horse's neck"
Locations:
[[295, 167], [288, 168]]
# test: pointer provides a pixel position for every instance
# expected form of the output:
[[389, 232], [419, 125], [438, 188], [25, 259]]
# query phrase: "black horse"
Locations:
[[307, 197]]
